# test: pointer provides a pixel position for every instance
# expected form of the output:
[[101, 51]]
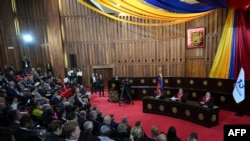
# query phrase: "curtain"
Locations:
[[220, 66], [242, 45]]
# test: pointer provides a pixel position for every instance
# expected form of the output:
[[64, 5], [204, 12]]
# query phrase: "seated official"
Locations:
[[159, 93], [180, 96], [207, 101]]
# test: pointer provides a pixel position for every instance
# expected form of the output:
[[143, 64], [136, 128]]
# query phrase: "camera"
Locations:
[[125, 92], [123, 84]]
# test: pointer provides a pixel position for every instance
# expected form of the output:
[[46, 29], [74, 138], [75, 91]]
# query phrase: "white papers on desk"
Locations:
[[173, 98]]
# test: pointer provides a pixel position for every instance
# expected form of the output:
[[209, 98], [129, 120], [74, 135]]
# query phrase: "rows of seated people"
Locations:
[[51, 117], [70, 123]]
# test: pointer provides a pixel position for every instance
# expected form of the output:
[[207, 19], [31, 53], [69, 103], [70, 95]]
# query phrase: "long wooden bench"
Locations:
[[221, 90], [189, 110]]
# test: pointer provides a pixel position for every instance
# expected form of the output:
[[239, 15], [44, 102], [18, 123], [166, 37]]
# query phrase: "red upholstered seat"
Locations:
[[66, 92], [19, 77]]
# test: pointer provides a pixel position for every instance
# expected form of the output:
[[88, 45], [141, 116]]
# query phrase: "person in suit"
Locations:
[[14, 117], [71, 131], [13, 92], [207, 101], [49, 68], [6, 134], [192, 137], [26, 65], [93, 82], [25, 132], [87, 133], [101, 86], [55, 130], [172, 134]]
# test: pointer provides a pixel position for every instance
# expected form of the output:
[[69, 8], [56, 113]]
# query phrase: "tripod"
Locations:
[[124, 92]]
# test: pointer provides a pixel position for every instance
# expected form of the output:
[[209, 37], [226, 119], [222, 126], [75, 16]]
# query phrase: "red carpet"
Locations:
[[134, 113]]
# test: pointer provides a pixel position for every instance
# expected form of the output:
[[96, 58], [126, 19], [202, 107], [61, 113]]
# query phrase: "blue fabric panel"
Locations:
[[177, 6], [187, 7], [215, 3], [232, 60]]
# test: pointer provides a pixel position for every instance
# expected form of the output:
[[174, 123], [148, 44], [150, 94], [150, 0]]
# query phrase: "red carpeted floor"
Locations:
[[134, 113]]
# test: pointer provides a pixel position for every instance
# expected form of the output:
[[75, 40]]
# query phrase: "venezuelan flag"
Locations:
[[160, 82]]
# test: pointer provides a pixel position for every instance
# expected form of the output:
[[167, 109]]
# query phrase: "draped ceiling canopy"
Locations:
[[160, 12], [234, 47]]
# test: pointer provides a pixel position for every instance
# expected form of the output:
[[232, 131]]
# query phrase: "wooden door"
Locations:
[[107, 74]]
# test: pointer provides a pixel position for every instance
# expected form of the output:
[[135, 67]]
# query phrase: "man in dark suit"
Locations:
[[93, 82], [13, 92], [101, 86], [26, 65], [49, 68], [25, 132]]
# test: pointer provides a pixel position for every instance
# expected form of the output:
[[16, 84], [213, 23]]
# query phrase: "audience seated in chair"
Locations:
[[172, 134]]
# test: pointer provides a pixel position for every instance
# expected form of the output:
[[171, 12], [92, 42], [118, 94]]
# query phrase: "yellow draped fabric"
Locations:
[[151, 16], [220, 67]]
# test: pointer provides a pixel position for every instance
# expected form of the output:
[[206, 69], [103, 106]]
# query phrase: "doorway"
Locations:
[[107, 74]]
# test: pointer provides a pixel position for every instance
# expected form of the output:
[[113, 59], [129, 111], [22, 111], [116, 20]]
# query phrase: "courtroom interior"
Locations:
[[65, 60]]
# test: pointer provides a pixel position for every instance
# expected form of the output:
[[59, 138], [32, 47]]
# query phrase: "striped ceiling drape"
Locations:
[[234, 47]]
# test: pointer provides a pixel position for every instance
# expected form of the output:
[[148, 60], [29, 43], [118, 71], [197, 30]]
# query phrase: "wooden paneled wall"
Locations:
[[136, 50], [40, 19], [63, 27]]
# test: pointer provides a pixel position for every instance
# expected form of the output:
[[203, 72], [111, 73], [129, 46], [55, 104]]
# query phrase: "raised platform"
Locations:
[[220, 89], [190, 110]]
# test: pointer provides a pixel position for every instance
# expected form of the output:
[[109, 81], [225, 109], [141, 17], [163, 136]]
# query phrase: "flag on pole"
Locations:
[[160, 82], [239, 88]]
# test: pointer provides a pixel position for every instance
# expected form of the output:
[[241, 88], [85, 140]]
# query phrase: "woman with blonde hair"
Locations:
[[136, 133], [154, 132]]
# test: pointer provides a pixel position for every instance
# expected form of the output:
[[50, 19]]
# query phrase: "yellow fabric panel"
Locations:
[[220, 67], [139, 4], [130, 11], [139, 9], [155, 23]]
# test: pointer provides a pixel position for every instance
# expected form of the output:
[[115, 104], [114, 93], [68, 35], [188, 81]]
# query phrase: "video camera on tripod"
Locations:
[[124, 84], [125, 92]]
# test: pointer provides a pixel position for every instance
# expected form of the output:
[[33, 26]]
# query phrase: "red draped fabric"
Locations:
[[242, 45], [239, 4]]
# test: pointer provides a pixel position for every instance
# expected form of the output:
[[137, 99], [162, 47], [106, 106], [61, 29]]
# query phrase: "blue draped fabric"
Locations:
[[187, 7], [180, 7], [232, 60], [215, 3]]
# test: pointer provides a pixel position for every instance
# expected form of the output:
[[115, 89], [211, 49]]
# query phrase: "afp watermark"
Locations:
[[237, 132]]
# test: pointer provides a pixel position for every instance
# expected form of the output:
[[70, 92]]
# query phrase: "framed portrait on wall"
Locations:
[[196, 37]]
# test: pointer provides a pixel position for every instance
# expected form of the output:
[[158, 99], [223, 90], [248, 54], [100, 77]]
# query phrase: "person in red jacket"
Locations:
[[207, 100], [180, 94]]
